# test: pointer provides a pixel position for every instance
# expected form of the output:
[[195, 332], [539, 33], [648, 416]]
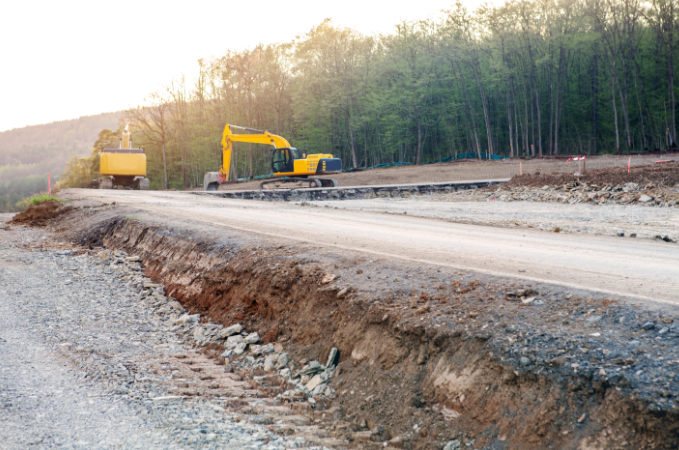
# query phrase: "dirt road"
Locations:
[[643, 269], [607, 220]]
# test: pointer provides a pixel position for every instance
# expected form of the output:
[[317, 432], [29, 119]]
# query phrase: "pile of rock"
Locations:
[[577, 192], [313, 379], [242, 350]]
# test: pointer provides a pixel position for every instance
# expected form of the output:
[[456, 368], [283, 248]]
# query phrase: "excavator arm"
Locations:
[[259, 137]]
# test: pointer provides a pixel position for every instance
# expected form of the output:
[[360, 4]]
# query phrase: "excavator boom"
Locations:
[[261, 137]]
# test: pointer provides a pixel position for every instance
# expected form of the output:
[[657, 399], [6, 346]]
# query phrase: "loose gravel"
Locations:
[[78, 339], [612, 220]]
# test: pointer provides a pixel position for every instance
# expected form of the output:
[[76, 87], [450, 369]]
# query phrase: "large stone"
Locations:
[[240, 348], [311, 369], [452, 445], [252, 338], [332, 357], [645, 198], [318, 390], [256, 350], [270, 362], [282, 360], [187, 318], [268, 348], [233, 341], [199, 333], [314, 382], [230, 331]]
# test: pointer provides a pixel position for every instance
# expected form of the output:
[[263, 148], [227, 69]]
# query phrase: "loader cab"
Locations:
[[283, 159]]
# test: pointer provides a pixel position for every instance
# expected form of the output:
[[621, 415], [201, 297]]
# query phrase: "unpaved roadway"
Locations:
[[640, 268], [609, 220]]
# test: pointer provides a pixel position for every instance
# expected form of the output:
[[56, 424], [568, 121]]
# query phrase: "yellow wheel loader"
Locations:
[[123, 167], [288, 164]]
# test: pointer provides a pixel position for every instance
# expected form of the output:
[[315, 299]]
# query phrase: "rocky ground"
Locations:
[[91, 353], [208, 338], [574, 192]]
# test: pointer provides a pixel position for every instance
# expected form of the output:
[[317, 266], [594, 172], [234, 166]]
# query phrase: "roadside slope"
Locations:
[[429, 354], [644, 269]]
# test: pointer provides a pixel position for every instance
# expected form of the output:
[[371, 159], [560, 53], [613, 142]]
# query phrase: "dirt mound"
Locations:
[[39, 215], [666, 174]]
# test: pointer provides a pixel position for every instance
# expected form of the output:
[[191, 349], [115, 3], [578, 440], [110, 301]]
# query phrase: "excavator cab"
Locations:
[[283, 159]]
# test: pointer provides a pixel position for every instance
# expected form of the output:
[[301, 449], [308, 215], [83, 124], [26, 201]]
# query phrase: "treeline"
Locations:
[[28, 154], [529, 78]]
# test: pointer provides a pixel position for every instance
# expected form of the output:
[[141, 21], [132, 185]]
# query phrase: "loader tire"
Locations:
[[144, 184]]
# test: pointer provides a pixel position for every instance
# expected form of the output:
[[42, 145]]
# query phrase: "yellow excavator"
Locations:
[[288, 164], [123, 167]]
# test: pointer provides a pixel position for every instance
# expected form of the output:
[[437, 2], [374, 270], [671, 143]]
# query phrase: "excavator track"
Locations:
[[284, 183]]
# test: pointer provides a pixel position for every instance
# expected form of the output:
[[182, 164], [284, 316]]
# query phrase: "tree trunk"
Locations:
[[484, 104], [354, 160], [165, 166], [516, 125], [550, 148], [471, 109], [615, 111], [670, 68], [537, 107], [637, 87], [509, 125], [419, 142], [595, 96]]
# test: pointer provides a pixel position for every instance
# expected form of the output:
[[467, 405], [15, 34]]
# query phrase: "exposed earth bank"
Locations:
[[428, 356]]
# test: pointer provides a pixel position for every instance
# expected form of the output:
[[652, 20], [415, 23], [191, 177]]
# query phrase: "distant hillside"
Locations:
[[28, 154], [39, 149]]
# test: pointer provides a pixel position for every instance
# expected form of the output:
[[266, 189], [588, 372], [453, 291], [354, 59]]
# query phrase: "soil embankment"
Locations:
[[427, 354], [477, 170]]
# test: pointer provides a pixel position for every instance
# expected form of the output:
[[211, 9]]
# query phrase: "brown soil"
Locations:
[[660, 175], [400, 364], [471, 170], [42, 214]]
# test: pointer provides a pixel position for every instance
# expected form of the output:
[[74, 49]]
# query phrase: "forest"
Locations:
[[527, 79], [28, 154]]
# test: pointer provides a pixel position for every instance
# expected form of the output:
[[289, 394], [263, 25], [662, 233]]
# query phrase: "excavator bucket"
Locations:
[[211, 181]]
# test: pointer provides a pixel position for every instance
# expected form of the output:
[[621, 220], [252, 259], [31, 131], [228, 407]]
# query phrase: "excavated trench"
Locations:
[[418, 368]]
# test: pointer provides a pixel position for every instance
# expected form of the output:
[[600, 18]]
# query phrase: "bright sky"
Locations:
[[65, 59]]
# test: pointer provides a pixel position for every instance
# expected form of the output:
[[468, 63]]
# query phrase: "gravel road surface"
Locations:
[[79, 358], [642, 268], [607, 220]]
